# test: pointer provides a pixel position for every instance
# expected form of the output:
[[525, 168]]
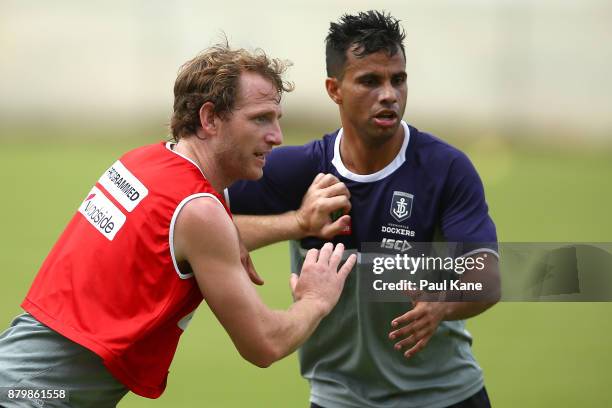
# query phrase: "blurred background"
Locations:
[[524, 87]]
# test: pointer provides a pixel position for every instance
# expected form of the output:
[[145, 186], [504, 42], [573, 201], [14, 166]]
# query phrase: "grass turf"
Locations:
[[533, 354]]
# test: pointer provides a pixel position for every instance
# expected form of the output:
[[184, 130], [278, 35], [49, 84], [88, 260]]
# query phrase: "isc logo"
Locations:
[[397, 244]]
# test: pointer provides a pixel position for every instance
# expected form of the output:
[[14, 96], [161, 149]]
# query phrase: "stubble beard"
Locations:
[[375, 137]]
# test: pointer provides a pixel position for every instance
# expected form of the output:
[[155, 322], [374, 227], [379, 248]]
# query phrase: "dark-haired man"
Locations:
[[151, 240], [393, 182]]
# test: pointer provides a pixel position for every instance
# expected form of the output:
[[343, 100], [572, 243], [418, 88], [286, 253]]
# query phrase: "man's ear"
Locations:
[[333, 90], [208, 118]]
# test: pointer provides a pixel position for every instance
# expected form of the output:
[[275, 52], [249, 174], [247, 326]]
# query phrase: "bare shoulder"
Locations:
[[201, 224], [205, 211]]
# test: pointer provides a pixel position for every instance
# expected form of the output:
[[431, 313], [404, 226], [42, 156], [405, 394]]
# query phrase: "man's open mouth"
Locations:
[[385, 118]]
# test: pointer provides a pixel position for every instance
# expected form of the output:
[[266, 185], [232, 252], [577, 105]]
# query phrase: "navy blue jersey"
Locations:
[[430, 191], [430, 188]]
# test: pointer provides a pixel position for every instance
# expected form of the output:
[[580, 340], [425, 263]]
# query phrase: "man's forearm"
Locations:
[[292, 327], [464, 310], [325, 196], [475, 302], [261, 230]]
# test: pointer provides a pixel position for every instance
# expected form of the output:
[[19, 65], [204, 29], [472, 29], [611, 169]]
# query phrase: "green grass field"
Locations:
[[533, 355]]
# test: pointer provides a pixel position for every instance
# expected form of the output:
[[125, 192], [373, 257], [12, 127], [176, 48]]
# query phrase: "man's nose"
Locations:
[[275, 136], [388, 94]]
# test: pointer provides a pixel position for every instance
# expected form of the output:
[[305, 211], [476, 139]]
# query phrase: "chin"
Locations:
[[388, 133], [380, 136], [253, 174]]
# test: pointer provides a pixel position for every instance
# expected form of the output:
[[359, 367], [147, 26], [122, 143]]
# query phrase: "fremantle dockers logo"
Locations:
[[401, 205]]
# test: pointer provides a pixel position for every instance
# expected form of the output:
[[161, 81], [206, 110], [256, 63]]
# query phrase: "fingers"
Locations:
[[331, 204], [408, 341], [325, 196], [336, 257], [336, 227], [330, 256], [417, 337], [293, 281], [318, 178], [255, 278], [325, 253], [420, 324], [412, 328], [417, 347], [336, 190], [347, 267], [247, 262], [311, 256], [406, 317], [325, 180]]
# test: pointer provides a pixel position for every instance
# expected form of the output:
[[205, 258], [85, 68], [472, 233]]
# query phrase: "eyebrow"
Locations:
[[368, 75], [266, 112], [376, 75]]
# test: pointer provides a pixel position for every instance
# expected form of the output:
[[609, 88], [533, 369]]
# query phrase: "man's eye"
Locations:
[[368, 82], [399, 80], [261, 119]]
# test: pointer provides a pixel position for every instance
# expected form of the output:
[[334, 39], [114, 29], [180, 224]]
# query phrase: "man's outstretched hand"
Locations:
[[320, 279]]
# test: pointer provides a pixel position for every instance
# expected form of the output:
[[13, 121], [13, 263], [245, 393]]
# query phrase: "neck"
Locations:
[[197, 151], [361, 156]]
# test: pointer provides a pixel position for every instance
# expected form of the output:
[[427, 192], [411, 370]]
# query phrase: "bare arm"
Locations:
[[260, 230], [206, 238], [473, 303], [413, 329], [325, 195]]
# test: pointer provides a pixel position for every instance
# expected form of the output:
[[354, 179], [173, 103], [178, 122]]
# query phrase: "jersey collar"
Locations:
[[170, 146], [380, 174]]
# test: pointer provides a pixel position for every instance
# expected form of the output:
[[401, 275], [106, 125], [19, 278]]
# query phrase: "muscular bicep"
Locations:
[[483, 271], [206, 238]]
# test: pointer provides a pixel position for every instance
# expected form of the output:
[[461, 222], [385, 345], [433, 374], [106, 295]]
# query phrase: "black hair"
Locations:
[[366, 33]]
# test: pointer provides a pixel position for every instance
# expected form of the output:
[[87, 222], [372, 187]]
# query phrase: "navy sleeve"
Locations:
[[465, 215], [287, 174]]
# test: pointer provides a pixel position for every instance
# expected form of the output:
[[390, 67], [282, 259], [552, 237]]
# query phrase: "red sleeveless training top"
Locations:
[[111, 283]]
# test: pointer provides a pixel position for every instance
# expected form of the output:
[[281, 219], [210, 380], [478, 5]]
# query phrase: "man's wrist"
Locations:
[[301, 225], [315, 303]]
